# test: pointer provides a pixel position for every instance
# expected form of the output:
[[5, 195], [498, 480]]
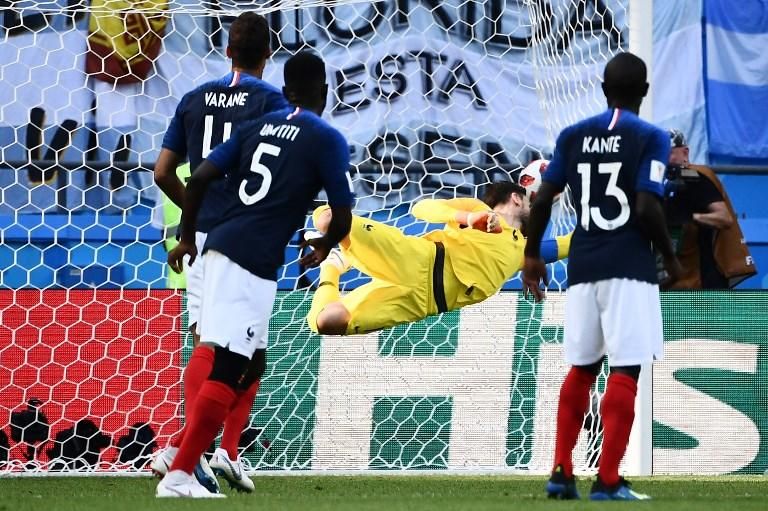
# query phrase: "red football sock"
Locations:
[[211, 407], [237, 418], [574, 400], [196, 372], [618, 413]]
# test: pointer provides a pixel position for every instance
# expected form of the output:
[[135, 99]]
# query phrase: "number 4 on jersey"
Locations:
[[208, 134], [612, 190]]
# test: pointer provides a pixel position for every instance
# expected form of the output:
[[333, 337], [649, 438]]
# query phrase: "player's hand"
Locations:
[[534, 273], [320, 250], [674, 272], [487, 221], [176, 256]]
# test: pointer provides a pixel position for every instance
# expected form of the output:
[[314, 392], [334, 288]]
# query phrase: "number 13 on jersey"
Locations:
[[593, 213]]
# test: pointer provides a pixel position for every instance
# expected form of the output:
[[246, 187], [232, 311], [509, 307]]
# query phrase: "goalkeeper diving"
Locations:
[[480, 248]]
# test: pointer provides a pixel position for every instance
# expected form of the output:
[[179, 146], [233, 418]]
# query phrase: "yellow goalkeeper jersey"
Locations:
[[481, 262]]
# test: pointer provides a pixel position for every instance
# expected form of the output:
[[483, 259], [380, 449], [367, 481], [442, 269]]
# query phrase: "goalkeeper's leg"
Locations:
[[327, 315], [381, 251], [401, 291], [371, 307]]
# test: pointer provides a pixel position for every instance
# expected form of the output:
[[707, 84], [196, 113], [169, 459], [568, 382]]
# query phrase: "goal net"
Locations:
[[437, 99]]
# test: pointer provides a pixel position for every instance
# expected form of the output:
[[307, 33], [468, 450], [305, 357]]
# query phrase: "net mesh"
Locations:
[[437, 99]]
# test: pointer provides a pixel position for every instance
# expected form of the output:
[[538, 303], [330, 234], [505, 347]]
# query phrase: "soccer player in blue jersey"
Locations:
[[614, 164], [206, 117], [274, 169]]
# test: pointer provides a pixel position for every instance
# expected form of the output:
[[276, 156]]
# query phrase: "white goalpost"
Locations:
[[437, 99], [639, 459]]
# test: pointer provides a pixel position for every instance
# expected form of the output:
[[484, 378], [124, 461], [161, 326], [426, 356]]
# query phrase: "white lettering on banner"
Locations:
[[477, 377], [225, 100], [728, 439]]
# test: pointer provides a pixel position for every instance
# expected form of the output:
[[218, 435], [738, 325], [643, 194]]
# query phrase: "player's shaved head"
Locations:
[[305, 84], [248, 43], [500, 193], [625, 81]]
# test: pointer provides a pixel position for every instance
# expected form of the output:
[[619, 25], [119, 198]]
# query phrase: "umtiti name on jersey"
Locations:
[[225, 99], [284, 131], [600, 144]]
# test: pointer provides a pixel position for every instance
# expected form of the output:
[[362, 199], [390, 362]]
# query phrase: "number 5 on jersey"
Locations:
[[262, 170], [611, 190]]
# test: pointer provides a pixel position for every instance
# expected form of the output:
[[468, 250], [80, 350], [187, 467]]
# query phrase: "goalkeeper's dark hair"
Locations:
[[249, 40], [305, 83], [500, 192]]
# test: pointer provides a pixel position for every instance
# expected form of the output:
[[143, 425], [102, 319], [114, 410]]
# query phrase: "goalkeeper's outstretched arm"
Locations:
[[463, 211]]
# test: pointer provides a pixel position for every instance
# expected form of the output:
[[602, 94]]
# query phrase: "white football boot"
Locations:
[[232, 471], [179, 484], [163, 459], [205, 475]]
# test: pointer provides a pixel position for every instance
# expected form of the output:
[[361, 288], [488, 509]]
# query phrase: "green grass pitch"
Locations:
[[386, 493]]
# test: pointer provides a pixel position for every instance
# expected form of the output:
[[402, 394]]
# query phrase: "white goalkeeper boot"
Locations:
[[179, 484], [232, 471]]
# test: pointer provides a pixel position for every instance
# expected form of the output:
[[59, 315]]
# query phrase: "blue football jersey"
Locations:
[[274, 168], [206, 117], [606, 160]]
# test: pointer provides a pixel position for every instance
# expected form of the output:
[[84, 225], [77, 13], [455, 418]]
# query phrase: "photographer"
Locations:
[[703, 225]]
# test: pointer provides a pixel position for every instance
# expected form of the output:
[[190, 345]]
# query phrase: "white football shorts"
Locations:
[[620, 318], [195, 283], [236, 306]]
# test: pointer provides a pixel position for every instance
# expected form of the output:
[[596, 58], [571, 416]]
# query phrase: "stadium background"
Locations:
[[88, 329]]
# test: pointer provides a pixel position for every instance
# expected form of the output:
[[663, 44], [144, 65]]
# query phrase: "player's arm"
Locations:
[[214, 167], [171, 155], [464, 211], [166, 178], [650, 218], [333, 167], [648, 208], [534, 270], [553, 182]]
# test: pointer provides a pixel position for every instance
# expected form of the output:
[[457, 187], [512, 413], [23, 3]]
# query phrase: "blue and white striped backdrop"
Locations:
[[736, 45]]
